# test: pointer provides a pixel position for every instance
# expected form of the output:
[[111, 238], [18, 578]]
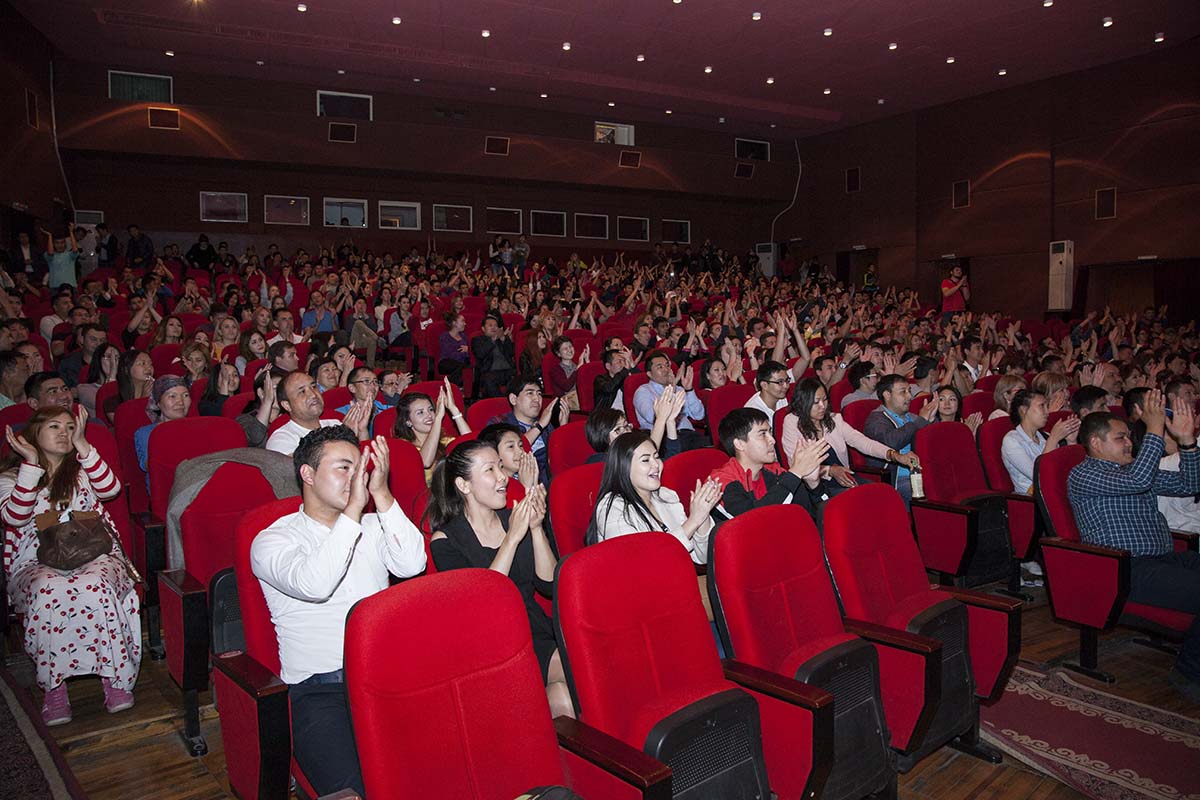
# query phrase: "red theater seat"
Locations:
[[1087, 584], [680, 472], [723, 400], [979, 402], [483, 412], [569, 447], [585, 384], [643, 667], [628, 390], [442, 670], [855, 415], [571, 505]]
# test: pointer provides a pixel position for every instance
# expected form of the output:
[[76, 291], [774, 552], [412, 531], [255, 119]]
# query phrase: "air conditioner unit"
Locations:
[[1062, 275], [768, 257]]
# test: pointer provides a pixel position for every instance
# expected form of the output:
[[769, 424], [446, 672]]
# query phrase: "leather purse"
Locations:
[[69, 539]]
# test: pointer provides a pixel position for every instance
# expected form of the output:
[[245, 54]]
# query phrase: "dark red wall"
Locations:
[[1035, 155]]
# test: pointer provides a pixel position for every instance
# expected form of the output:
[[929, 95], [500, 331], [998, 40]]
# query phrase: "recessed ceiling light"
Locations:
[[641, 57], [301, 7], [566, 45], [772, 124], [1160, 37], [676, 2], [668, 111], [1107, 22], [1001, 72], [396, 20], [491, 88], [485, 33], [721, 120], [879, 101], [170, 53], [1047, 3], [892, 45], [544, 95], [611, 104], [829, 31], [341, 72], [950, 60], [770, 81], [829, 91], [707, 70], [260, 62], [756, 16], [416, 80]]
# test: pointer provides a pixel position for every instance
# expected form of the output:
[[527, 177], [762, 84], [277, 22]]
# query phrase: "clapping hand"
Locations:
[[1066, 428], [21, 445], [377, 484], [358, 489], [1182, 424], [79, 436], [527, 470], [705, 497], [808, 456]]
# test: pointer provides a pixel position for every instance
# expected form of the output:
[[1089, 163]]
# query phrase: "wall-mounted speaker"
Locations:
[[495, 145], [743, 170], [630, 159], [344, 132]]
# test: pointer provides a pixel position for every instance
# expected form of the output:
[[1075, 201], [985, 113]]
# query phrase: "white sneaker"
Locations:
[[1033, 568]]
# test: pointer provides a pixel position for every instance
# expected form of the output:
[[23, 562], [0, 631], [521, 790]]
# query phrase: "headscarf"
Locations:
[[161, 386]]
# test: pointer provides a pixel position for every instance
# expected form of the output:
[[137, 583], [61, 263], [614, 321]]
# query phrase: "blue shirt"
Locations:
[[370, 425], [902, 471], [62, 267], [539, 449], [643, 404], [1117, 506], [328, 322]]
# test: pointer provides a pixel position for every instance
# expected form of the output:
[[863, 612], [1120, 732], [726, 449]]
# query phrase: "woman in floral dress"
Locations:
[[83, 622]]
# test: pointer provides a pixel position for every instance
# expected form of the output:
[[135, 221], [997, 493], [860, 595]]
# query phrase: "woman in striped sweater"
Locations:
[[83, 622]]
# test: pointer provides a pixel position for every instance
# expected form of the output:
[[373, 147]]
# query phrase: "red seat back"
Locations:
[[634, 655], [983, 403], [106, 391], [585, 384], [777, 425], [235, 405], [569, 447], [406, 470], [837, 392], [771, 593], [681, 472], [482, 412], [172, 443], [1050, 473], [102, 439], [443, 669], [724, 400], [572, 503], [18, 414], [334, 399], [949, 461], [991, 439], [628, 389], [207, 525], [855, 414], [871, 551], [166, 360], [130, 416], [261, 642], [987, 383]]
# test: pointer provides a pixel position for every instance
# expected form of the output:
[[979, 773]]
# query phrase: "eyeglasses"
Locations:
[[776, 382], [367, 382]]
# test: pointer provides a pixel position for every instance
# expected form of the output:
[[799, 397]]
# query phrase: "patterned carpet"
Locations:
[[30, 768], [1105, 746]]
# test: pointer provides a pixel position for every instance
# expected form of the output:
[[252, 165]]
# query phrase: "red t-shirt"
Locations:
[[952, 302]]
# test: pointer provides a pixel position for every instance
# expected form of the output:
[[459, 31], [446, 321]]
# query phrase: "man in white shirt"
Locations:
[[62, 307], [300, 398], [771, 380], [285, 327], [313, 566], [973, 357]]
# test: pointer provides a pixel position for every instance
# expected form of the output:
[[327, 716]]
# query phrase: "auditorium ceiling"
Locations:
[[783, 67]]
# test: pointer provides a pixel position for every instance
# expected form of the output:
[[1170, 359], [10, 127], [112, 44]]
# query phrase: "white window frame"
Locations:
[[244, 197], [579, 214], [111, 72], [307, 202], [688, 240], [622, 239], [433, 222], [520, 220], [79, 211], [403, 203], [369, 97], [562, 214], [366, 211], [619, 126], [755, 141]]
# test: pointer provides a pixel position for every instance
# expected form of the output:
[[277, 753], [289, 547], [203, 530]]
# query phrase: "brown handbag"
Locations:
[[68, 544]]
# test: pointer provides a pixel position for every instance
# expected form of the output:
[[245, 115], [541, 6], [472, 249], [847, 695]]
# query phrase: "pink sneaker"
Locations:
[[56, 707], [116, 699]]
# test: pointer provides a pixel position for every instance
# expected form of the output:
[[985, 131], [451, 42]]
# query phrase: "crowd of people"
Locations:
[[289, 330]]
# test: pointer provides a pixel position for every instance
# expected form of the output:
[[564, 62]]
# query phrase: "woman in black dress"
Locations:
[[473, 528]]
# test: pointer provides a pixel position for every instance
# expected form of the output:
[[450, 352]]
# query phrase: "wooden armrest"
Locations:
[[1191, 540], [949, 508], [1083, 547], [991, 602], [892, 637], [777, 686], [181, 583], [252, 677], [1023, 498], [148, 521], [610, 754]]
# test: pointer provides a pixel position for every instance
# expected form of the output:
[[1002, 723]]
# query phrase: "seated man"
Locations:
[[752, 478], [364, 389], [495, 358], [90, 338], [535, 422], [1114, 497], [301, 400], [1089, 400], [606, 388], [1180, 392], [771, 381], [893, 424], [14, 371], [283, 355], [47, 389], [313, 566], [285, 327], [865, 379], [658, 367]]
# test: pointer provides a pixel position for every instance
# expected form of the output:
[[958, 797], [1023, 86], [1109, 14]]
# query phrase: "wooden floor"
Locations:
[[137, 753]]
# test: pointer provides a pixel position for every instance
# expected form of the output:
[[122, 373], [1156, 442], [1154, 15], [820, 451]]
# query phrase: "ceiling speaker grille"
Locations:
[[345, 132], [631, 159]]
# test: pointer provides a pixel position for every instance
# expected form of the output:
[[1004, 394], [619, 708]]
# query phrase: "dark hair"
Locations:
[[886, 384], [62, 486], [259, 382], [316, 365], [518, 384], [211, 389], [925, 365], [400, 428], [278, 349], [653, 354], [957, 399], [312, 447], [1175, 384], [858, 372], [599, 425], [244, 344], [737, 424], [1096, 426], [616, 482], [8, 360], [1086, 396], [819, 361], [33, 383], [1020, 405], [125, 373], [1134, 398], [494, 433], [969, 341], [765, 370], [558, 342], [704, 368], [803, 398], [445, 502]]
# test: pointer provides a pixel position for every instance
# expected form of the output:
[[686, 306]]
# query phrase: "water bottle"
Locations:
[[917, 481]]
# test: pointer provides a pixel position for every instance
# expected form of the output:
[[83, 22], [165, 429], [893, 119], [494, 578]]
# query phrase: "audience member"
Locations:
[[419, 420], [658, 367], [301, 400], [561, 376], [14, 372], [223, 383], [864, 377], [1022, 445], [495, 358], [90, 338], [893, 425], [535, 422], [1089, 400], [772, 384], [607, 386]]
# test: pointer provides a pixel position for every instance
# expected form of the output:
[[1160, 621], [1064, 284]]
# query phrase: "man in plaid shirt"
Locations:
[[1115, 499]]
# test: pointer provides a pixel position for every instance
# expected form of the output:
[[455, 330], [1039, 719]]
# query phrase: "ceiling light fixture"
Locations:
[[676, 2], [544, 95], [641, 57], [1047, 3], [1160, 37], [260, 62], [301, 7], [668, 111], [566, 45], [170, 53], [756, 16], [1107, 22], [611, 104], [721, 120], [770, 81], [708, 70], [416, 80], [1001, 72], [341, 72], [950, 60], [879, 102], [396, 20], [491, 88], [485, 33], [892, 45], [829, 31], [772, 124], [829, 91]]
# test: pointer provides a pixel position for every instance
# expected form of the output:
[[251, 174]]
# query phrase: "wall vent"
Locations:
[[631, 159], [960, 194], [344, 132], [744, 171], [1106, 203], [165, 119], [496, 145]]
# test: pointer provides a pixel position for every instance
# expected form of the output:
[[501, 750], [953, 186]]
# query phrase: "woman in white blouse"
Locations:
[[633, 499], [811, 420]]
